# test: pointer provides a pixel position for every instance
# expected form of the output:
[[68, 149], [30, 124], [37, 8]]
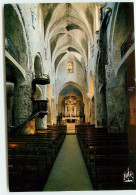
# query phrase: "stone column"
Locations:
[[23, 107], [100, 104], [100, 81], [57, 109], [10, 111], [74, 110], [41, 123], [92, 107], [23, 103], [87, 110], [52, 110], [117, 105], [49, 114]]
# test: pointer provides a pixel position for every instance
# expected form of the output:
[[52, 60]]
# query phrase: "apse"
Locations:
[[71, 89], [70, 105]]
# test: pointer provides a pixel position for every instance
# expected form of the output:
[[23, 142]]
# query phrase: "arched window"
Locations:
[[69, 67]]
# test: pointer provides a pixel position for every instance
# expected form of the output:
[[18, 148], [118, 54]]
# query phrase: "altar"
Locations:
[[68, 119]]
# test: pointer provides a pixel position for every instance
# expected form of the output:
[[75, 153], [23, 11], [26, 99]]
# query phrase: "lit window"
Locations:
[[69, 67]]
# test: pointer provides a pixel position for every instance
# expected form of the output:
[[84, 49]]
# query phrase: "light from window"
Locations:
[[69, 67]]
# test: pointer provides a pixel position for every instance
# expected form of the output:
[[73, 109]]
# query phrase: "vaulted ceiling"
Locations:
[[68, 29], [71, 89]]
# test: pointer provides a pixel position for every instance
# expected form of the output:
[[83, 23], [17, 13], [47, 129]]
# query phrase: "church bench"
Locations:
[[111, 140], [34, 141], [28, 181], [104, 153], [48, 145], [90, 128], [86, 143], [32, 166], [35, 138], [105, 149], [101, 134], [108, 167], [32, 157]]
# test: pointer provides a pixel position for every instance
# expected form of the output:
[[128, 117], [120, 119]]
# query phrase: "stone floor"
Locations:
[[69, 172]]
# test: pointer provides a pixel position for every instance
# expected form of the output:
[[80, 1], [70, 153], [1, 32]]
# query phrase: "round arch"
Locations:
[[74, 85], [17, 44], [38, 65], [123, 25], [70, 102], [112, 26]]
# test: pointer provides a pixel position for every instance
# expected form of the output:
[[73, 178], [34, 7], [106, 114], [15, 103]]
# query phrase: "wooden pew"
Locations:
[[31, 158], [105, 154]]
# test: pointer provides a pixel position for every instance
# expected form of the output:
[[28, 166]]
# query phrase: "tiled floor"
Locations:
[[69, 172]]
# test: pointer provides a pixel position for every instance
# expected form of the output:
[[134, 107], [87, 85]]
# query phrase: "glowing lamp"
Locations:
[[13, 145], [107, 10]]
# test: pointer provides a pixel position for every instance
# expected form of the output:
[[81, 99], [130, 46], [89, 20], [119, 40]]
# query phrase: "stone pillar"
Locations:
[[49, 114], [10, 111], [117, 105], [65, 110], [74, 110], [92, 107], [57, 109], [100, 101], [52, 111], [100, 105], [23, 103], [10, 103], [41, 123], [100, 82], [23, 106], [87, 110], [55, 112]]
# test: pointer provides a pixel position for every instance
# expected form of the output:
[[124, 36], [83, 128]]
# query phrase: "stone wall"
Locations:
[[10, 103], [23, 104], [117, 108], [91, 49]]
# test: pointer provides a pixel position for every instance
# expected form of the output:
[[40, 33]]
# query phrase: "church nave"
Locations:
[[70, 83], [69, 172]]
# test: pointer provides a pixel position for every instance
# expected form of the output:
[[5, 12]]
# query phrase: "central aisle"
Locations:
[[69, 172]]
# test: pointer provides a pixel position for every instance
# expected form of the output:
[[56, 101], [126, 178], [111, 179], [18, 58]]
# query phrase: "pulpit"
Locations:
[[41, 107], [41, 79]]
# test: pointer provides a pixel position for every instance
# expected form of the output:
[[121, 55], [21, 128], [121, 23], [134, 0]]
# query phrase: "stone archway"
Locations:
[[17, 62], [70, 105], [74, 85], [124, 21], [126, 75], [119, 61], [37, 65], [15, 39], [37, 74]]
